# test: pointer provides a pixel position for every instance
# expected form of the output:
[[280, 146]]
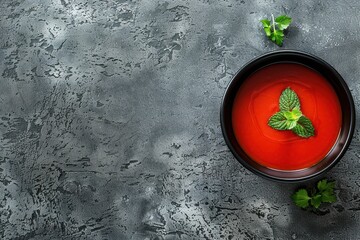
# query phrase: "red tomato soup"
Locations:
[[258, 99]]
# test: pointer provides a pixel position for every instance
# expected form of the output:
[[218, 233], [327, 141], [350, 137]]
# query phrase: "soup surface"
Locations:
[[258, 99]]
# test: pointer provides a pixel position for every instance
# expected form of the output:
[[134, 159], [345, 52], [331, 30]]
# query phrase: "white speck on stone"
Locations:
[[305, 27]]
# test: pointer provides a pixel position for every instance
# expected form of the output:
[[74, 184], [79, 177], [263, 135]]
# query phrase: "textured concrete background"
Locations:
[[109, 119]]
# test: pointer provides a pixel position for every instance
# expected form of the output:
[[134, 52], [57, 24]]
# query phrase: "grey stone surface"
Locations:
[[109, 119]]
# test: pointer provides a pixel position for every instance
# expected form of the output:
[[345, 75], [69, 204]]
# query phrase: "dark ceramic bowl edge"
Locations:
[[311, 176]]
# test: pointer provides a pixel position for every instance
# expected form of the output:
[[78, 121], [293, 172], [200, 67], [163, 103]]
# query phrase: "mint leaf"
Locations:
[[304, 127], [278, 121], [316, 200], [293, 115], [290, 116], [283, 22], [289, 100], [283, 120], [301, 198], [290, 124]]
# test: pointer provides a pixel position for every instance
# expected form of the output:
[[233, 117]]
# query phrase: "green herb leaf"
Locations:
[[323, 185], [324, 193], [289, 100], [304, 127], [284, 120], [327, 190], [283, 22], [274, 29], [266, 24], [278, 121], [267, 31], [290, 124], [301, 198], [277, 36], [293, 115], [328, 197], [290, 116], [316, 200]]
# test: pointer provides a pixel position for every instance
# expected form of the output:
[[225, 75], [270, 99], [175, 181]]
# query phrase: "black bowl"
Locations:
[[330, 74]]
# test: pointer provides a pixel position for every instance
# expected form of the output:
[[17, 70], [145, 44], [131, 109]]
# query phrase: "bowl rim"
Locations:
[[339, 79]]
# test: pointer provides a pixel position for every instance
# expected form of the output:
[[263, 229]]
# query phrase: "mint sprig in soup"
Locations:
[[290, 116]]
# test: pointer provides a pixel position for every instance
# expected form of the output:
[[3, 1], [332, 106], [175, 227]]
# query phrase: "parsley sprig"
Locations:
[[323, 193], [290, 116], [274, 29]]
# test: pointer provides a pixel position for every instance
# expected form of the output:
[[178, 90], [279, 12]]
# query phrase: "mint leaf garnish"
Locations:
[[293, 115], [290, 116], [283, 120], [324, 193], [289, 100], [304, 127], [278, 121], [274, 29]]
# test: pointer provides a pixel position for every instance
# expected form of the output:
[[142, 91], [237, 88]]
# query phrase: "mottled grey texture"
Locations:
[[109, 119]]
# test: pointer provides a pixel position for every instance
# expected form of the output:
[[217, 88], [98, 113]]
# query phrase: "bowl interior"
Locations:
[[330, 74]]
